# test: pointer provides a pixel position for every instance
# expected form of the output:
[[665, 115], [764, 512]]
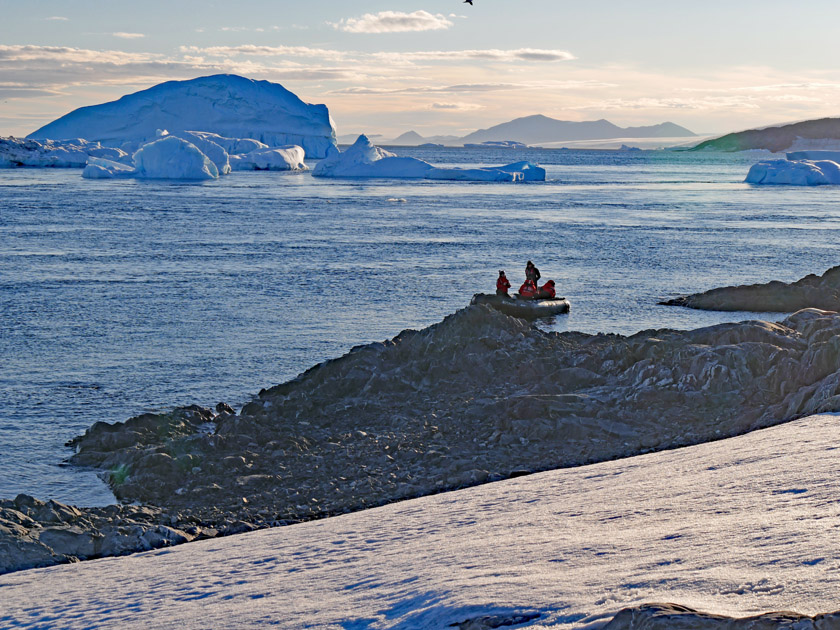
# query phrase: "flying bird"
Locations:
[[469, 2]]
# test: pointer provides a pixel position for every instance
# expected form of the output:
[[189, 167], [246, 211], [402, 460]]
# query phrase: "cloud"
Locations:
[[493, 54], [456, 107], [264, 51], [67, 54], [476, 87], [58, 18], [123, 35], [701, 103], [14, 91], [394, 22]]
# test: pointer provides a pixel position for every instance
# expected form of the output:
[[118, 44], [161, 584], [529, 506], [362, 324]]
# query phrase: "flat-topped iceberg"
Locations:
[[795, 172], [17, 152], [270, 159], [363, 159], [227, 105]]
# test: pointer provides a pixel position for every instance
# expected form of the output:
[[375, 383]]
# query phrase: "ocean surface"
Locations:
[[122, 297]]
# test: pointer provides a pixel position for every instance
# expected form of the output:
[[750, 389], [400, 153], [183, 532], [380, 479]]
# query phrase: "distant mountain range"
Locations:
[[539, 129], [810, 134]]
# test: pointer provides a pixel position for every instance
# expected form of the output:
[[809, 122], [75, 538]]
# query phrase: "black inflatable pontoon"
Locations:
[[522, 307]]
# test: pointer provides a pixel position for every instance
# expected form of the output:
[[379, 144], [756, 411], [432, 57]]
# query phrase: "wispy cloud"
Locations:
[[699, 103], [393, 58], [394, 22], [456, 107], [492, 54], [476, 87], [265, 51], [58, 18], [123, 35]]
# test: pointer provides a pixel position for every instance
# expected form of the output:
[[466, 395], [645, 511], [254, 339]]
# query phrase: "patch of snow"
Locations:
[[734, 527], [833, 156], [228, 105], [173, 158], [795, 173], [275, 159], [815, 144]]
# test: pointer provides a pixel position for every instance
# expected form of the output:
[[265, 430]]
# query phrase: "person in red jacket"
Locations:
[[547, 291], [502, 284], [528, 290]]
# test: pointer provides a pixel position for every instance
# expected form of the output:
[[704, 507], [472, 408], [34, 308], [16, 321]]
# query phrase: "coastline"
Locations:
[[422, 414]]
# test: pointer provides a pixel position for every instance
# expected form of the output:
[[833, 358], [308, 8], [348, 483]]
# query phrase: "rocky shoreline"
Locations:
[[675, 617], [773, 297], [481, 396]]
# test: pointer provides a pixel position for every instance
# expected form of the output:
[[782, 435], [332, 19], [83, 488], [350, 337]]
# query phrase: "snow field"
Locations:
[[737, 527]]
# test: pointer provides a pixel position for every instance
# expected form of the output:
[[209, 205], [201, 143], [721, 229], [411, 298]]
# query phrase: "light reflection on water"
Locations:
[[123, 297]]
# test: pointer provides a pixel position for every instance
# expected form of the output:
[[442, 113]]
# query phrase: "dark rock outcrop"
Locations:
[[37, 533], [675, 617], [478, 397], [812, 291], [774, 139]]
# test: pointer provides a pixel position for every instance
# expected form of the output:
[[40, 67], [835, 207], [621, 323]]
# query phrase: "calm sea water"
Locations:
[[122, 297]]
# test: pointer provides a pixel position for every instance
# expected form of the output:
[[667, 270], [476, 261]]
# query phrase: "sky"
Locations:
[[438, 66]]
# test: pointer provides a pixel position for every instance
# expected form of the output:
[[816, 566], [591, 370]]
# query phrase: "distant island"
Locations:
[[542, 130], [823, 133]]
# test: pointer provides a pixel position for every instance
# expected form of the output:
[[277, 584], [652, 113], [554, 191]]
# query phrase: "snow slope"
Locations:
[[736, 527], [224, 104]]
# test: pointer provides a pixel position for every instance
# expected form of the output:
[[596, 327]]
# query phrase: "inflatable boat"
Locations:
[[523, 307]]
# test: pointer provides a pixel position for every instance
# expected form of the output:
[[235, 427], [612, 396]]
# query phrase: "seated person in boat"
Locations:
[[547, 291], [502, 284], [528, 290]]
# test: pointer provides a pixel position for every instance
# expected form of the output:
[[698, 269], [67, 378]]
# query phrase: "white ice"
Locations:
[[73, 153], [288, 158], [97, 168], [173, 158], [216, 153], [737, 527], [228, 105], [794, 173], [363, 159]]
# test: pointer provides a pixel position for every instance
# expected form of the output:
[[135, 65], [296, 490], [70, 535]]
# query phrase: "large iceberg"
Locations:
[[795, 172], [270, 159], [15, 152], [224, 104], [363, 159]]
